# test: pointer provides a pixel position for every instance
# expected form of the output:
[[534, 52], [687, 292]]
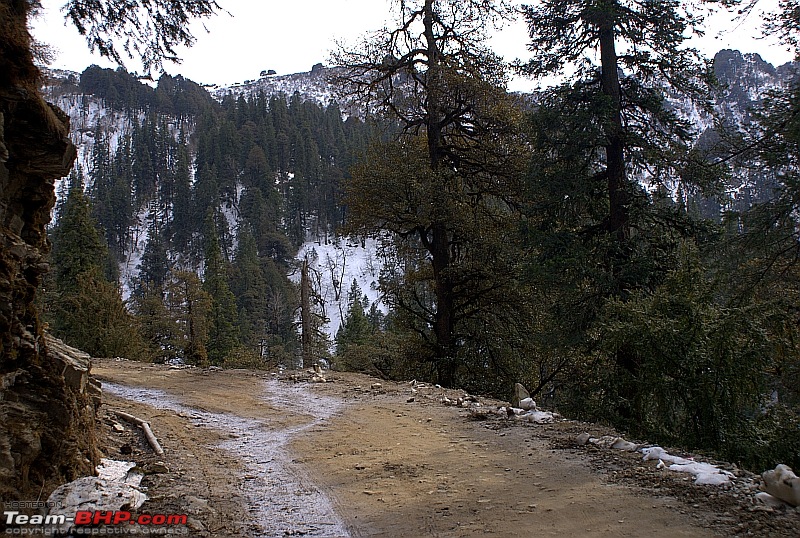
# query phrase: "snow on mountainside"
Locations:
[[744, 77], [312, 86], [743, 80], [87, 114], [334, 265]]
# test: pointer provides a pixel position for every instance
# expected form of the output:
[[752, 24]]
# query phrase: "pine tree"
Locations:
[[86, 310], [181, 224], [193, 308], [159, 326], [78, 248], [143, 164], [608, 243], [257, 171], [118, 203], [101, 180], [611, 118], [165, 157], [595, 231], [154, 264], [250, 289], [223, 333], [355, 328]]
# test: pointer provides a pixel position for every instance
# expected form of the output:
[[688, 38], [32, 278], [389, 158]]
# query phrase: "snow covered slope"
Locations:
[[312, 86], [333, 266]]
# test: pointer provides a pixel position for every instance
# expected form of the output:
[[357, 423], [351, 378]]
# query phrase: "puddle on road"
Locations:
[[283, 500]]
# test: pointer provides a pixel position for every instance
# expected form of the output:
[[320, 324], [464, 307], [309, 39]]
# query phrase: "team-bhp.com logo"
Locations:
[[87, 522]]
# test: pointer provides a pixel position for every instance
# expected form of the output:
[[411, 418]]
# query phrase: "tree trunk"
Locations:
[[618, 197], [439, 243], [443, 322], [305, 315]]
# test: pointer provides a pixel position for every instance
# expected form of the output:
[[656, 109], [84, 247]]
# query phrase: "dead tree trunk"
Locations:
[[305, 315]]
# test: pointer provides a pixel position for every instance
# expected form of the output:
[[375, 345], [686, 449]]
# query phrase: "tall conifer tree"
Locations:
[[86, 309], [608, 148], [250, 288], [223, 334], [607, 144]]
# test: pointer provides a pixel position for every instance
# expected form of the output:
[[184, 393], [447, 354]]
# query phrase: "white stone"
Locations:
[[783, 484], [520, 393]]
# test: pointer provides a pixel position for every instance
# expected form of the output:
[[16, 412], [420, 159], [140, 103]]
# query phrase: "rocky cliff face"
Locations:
[[745, 80], [46, 412]]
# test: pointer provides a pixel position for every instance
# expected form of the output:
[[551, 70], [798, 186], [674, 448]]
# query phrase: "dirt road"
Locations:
[[247, 454]]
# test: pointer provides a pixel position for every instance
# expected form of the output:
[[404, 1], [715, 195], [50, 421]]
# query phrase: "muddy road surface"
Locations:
[[267, 454]]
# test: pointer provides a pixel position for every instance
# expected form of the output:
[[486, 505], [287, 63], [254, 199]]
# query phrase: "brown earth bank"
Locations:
[[272, 454]]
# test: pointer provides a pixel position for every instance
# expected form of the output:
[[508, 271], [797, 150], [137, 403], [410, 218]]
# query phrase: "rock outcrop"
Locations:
[[46, 411]]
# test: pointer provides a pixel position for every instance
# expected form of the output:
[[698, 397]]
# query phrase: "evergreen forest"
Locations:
[[590, 240]]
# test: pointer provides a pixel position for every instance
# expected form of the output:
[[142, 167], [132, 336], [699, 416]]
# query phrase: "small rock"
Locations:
[[117, 427], [768, 500], [376, 386], [582, 439], [410, 400], [520, 393], [158, 467], [196, 505], [195, 524], [783, 484]]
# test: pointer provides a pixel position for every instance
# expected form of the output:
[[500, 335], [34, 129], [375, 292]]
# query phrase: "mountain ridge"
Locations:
[[280, 146]]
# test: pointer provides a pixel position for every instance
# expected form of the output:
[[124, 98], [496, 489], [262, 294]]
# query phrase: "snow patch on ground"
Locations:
[[117, 486], [704, 473]]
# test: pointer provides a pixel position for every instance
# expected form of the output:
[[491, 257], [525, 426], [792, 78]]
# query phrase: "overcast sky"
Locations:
[[291, 36]]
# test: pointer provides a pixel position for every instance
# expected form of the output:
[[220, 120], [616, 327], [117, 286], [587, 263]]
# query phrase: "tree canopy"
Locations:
[[433, 74], [148, 30]]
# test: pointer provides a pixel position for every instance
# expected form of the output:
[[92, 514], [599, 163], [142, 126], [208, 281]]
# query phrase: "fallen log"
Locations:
[[148, 433]]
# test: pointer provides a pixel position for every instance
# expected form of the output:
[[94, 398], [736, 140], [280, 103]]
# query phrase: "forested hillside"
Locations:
[[197, 208], [651, 301]]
